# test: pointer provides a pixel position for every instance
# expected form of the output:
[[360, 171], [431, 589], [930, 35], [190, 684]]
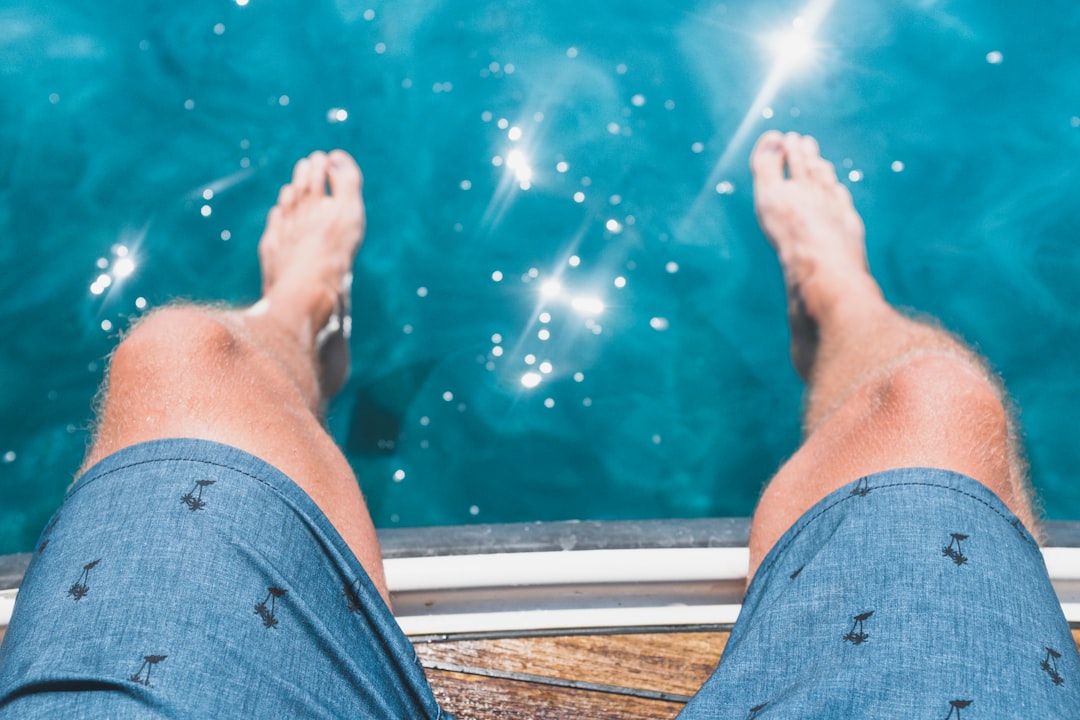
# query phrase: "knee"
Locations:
[[176, 337], [950, 411], [943, 390]]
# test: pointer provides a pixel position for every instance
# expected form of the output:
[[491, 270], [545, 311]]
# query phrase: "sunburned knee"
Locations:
[[173, 336], [941, 387], [950, 410]]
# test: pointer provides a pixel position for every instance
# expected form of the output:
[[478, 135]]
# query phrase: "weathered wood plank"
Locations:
[[661, 662], [655, 662], [471, 697]]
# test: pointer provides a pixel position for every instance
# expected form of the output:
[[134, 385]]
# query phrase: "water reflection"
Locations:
[[585, 305], [518, 162], [795, 49], [121, 266]]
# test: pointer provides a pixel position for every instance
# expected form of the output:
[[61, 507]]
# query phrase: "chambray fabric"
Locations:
[[909, 594], [188, 579]]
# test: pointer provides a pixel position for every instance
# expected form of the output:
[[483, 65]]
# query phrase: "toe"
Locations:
[[823, 171], [301, 179], [797, 158], [316, 177], [842, 193], [767, 159], [287, 196], [309, 175], [810, 148], [346, 179]]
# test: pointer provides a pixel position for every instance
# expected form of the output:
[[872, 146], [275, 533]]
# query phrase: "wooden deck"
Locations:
[[607, 677], [645, 675]]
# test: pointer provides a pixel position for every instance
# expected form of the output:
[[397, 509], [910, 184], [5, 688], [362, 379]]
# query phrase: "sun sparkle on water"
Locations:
[[793, 49]]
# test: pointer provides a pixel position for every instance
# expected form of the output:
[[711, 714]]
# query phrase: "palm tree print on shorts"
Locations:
[[267, 614], [149, 661], [1049, 665], [955, 706], [755, 710], [857, 636], [352, 597], [193, 501], [953, 550], [81, 587], [47, 533], [861, 489]]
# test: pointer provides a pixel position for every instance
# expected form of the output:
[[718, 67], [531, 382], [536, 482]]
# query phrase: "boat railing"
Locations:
[[530, 578]]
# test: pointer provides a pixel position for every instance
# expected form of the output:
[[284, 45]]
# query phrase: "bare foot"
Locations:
[[306, 255], [811, 222]]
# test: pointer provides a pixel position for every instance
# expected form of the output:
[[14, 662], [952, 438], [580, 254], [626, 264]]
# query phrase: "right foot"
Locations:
[[306, 254], [810, 220]]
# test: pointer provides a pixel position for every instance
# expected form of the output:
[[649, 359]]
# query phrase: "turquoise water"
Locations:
[[667, 391]]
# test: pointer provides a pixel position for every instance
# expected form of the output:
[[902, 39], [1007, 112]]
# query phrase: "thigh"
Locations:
[[189, 579], [907, 594]]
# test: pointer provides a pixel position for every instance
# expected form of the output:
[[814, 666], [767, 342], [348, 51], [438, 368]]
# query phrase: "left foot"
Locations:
[[306, 255]]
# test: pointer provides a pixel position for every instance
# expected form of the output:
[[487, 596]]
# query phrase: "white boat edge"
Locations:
[[716, 575], [602, 589]]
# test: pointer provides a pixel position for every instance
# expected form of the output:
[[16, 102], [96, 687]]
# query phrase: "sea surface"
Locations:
[[564, 308]]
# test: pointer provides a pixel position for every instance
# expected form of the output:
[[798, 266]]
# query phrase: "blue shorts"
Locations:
[[187, 579], [908, 594]]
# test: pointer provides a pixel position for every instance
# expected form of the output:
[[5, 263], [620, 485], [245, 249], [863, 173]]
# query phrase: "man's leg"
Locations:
[[902, 582], [251, 378], [883, 391], [216, 558]]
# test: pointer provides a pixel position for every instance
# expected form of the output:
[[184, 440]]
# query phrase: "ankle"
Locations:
[[830, 297], [305, 308]]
